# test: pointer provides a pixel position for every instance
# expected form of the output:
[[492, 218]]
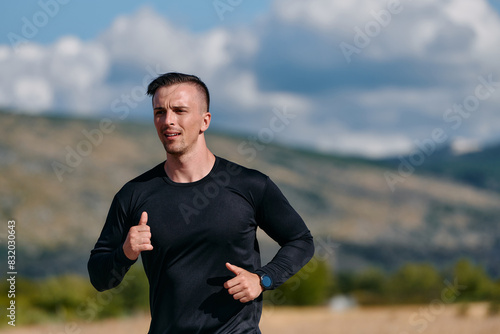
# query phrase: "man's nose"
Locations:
[[170, 117]]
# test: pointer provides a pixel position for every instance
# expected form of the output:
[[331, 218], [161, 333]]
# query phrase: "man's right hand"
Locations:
[[138, 239]]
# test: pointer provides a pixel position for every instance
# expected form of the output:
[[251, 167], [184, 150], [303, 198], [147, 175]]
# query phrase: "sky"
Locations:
[[360, 77]]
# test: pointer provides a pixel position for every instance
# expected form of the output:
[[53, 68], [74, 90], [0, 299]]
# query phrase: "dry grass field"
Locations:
[[429, 319]]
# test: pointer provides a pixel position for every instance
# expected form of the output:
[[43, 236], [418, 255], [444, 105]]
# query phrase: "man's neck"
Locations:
[[190, 167]]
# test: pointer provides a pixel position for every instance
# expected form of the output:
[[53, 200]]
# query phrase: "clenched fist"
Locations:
[[138, 239]]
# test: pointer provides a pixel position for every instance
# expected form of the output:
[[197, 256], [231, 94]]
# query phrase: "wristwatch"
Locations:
[[266, 282]]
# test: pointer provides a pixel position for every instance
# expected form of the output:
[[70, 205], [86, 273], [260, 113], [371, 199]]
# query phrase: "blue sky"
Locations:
[[87, 19], [356, 80]]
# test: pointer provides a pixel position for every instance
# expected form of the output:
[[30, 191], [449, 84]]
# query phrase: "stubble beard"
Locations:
[[176, 149], [180, 147]]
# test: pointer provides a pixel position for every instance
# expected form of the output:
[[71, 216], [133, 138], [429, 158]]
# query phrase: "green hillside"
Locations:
[[58, 177]]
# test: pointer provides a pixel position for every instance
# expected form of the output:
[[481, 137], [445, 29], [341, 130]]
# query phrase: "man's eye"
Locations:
[[159, 112]]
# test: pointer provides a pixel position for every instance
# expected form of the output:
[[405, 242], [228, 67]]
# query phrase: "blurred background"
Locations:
[[379, 121]]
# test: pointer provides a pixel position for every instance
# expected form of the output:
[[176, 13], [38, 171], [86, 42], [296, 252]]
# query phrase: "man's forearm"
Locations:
[[291, 257], [107, 269]]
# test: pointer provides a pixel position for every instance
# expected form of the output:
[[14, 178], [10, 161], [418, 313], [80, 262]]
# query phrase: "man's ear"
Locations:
[[206, 122]]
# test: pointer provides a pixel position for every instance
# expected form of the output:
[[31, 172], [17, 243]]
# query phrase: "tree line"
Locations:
[[72, 298]]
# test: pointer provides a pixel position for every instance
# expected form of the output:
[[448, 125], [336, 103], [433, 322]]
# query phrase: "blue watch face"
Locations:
[[266, 281]]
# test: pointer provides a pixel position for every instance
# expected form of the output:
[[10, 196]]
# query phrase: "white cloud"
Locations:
[[409, 29], [146, 38], [323, 15], [372, 144], [334, 136], [243, 91], [428, 101], [32, 94], [65, 75], [461, 145], [76, 65], [480, 17]]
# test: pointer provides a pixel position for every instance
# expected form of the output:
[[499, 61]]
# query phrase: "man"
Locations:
[[193, 220]]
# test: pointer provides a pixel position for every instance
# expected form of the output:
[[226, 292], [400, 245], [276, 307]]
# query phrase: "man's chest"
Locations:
[[181, 217]]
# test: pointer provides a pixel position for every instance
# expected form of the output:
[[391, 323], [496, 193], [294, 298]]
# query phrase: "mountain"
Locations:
[[59, 175], [480, 168]]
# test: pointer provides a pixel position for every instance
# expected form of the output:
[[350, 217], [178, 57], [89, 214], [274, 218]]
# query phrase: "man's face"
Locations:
[[180, 117]]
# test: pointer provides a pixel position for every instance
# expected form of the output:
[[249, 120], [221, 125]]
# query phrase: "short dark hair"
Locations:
[[173, 78]]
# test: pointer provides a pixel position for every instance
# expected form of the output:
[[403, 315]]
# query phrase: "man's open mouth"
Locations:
[[172, 135]]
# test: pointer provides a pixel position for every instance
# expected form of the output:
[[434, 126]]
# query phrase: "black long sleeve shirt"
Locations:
[[196, 228]]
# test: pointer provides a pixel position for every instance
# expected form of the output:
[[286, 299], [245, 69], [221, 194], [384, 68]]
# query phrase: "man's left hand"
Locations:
[[245, 287]]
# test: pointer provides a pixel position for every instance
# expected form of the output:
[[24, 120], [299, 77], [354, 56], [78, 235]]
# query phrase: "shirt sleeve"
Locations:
[[108, 264], [283, 224]]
